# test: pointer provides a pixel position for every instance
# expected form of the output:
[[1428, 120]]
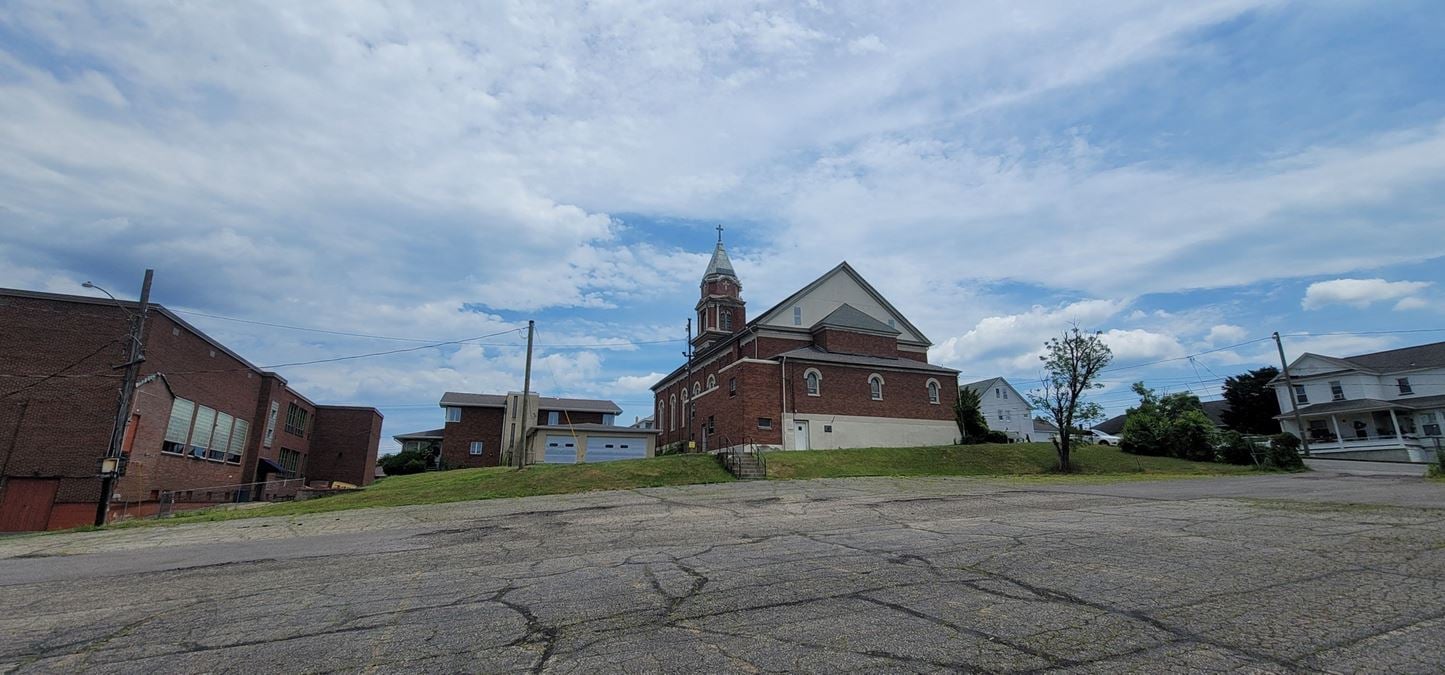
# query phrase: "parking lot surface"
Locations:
[[1300, 573]]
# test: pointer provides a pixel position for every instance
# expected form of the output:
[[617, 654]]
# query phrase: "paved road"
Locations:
[[1365, 468], [1261, 573]]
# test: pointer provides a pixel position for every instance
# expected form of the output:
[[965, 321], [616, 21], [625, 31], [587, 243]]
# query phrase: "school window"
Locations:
[[476, 448], [765, 422], [732, 386], [296, 418], [1404, 384], [201, 436], [454, 414], [178, 428], [290, 461], [221, 438], [238, 442], [1337, 391], [1300, 397]]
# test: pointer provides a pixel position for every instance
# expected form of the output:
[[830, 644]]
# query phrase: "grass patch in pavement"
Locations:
[[1016, 459], [489, 483]]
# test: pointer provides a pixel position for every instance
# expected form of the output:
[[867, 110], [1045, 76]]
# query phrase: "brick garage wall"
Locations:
[[58, 428], [846, 342], [344, 445], [844, 391], [477, 424]]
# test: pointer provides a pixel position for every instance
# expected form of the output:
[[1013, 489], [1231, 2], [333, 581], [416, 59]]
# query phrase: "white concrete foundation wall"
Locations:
[[868, 432]]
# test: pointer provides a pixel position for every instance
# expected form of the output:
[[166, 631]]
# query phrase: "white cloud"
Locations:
[[1225, 333], [1141, 345], [1011, 344], [1411, 303], [1361, 292]]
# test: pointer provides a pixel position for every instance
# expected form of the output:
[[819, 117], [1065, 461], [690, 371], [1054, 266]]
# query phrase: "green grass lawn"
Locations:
[[491, 483], [1017, 459]]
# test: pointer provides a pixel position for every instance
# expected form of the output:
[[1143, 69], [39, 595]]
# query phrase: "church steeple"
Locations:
[[720, 309]]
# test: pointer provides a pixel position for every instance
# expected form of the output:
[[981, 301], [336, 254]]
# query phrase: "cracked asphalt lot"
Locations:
[[1266, 573]]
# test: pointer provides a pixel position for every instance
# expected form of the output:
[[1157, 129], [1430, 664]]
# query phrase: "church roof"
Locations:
[[719, 263], [850, 317]]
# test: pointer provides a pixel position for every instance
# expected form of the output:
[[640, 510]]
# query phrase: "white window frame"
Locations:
[[1301, 396], [696, 389], [875, 394], [711, 382], [672, 415], [554, 417], [454, 414], [813, 382], [477, 448], [1337, 390]]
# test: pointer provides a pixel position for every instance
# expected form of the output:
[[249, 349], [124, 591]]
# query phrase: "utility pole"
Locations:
[[520, 449], [686, 387], [1293, 403], [110, 465]]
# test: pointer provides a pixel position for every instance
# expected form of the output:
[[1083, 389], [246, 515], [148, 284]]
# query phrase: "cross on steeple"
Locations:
[[719, 233]]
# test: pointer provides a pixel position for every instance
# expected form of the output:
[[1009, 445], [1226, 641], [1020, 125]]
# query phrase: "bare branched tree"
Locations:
[[1072, 364]]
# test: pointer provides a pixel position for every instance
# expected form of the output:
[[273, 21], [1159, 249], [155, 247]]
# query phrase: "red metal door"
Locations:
[[27, 502]]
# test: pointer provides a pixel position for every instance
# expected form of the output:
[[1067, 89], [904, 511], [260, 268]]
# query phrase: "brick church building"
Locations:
[[833, 365]]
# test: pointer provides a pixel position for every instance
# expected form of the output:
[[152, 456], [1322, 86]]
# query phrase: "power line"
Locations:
[[584, 345], [61, 372]]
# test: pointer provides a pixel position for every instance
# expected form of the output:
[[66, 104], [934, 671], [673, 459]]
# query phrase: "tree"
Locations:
[[1252, 404], [968, 413], [1071, 364], [404, 462], [1171, 425]]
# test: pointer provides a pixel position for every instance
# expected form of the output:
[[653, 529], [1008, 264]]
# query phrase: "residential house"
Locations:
[[833, 365], [206, 426], [480, 428], [1382, 405], [1005, 409]]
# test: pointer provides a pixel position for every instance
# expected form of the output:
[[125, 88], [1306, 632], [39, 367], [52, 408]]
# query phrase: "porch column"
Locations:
[[1339, 438], [1396, 421]]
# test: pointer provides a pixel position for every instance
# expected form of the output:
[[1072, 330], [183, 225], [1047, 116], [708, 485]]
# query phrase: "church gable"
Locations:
[[826, 295]]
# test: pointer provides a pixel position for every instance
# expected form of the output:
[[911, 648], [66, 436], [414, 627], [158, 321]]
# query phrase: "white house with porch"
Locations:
[[1385, 405]]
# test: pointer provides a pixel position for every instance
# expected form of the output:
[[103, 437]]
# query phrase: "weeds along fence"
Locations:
[[234, 493]]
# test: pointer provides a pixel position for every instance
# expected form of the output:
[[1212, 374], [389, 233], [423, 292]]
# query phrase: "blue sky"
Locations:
[[1181, 176]]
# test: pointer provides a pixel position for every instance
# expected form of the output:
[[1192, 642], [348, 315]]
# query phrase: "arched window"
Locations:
[[933, 392], [875, 386], [711, 381], [672, 417], [813, 382], [684, 394], [696, 389]]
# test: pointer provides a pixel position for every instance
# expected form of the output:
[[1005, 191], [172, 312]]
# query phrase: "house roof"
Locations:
[[427, 435], [851, 318], [817, 355], [1214, 410], [719, 263], [1389, 361], [844, 268], [465, 400], [1367, 404], [1045, 425]]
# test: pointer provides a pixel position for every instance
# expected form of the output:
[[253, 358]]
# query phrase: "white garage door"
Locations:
[[561, 450], [604, 448]]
